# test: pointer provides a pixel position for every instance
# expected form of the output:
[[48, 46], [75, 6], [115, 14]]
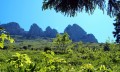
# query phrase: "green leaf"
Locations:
[[1, 45]]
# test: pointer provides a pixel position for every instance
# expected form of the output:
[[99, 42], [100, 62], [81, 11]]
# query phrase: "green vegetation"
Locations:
[[61, 42], [4, 36], [59, 55]]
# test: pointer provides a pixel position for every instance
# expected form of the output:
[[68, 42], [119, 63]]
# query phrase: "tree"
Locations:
[[113, 7], [72, 7], [116, 11], [117, 28], [62, 41]]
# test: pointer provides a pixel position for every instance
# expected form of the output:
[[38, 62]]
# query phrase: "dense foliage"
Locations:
[[61, 41], [117, 28], [76, 57], [4, 36], [72, 7]]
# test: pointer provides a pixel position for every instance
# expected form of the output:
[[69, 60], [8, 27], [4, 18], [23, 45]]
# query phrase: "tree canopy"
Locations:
[[62, 40], [72, 7]]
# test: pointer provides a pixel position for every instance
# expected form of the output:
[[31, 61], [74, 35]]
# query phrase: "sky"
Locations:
[[27, 12]]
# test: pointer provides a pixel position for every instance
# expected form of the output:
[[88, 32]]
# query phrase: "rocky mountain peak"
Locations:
[[49, 32], [76, 33], [13, 28], [35, 30]]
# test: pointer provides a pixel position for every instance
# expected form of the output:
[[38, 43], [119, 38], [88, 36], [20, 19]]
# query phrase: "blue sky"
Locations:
[[27, 12]]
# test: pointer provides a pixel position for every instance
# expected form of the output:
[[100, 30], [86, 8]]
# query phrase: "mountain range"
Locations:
[[75, 32]]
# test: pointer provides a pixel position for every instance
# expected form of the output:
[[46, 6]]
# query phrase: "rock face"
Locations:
[[49, 32], [35, 31], [76, 33], [89, 38], [13, 28]]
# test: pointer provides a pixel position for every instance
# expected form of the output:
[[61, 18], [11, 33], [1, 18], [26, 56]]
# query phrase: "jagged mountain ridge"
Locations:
[[75, 32], [13, 28]]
